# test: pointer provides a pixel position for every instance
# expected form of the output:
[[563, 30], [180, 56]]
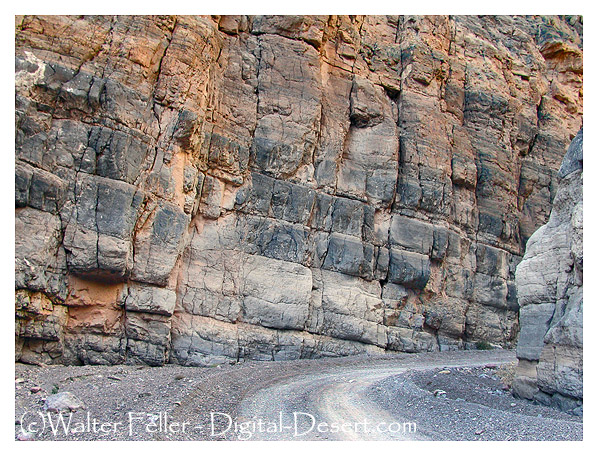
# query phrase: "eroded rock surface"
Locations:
[[549, 281], [204, 189]]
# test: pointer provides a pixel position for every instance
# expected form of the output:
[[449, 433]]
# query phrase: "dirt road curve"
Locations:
[[337, 397], [341, 396], [433, 396]]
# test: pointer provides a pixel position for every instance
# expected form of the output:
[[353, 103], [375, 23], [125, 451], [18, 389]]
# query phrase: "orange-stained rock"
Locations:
[[104, 319], [83, 292]]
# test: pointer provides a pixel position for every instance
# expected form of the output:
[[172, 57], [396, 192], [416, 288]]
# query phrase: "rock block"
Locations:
[[409, 269]]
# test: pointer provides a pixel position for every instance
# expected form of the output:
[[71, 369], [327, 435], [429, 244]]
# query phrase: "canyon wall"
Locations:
[[549, 281], [199, 190]]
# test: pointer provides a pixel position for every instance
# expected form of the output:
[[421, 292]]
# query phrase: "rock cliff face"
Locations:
[[549, 283], [205, 189]]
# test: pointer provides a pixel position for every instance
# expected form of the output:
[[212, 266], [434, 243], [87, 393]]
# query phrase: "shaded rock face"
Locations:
[[205, 189], [549, 284]]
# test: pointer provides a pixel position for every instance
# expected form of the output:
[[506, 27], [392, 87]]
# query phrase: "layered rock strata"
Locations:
[[549, 281], [196, 190]]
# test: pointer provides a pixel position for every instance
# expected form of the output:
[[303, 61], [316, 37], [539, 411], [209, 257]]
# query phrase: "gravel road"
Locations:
[[433, 396]]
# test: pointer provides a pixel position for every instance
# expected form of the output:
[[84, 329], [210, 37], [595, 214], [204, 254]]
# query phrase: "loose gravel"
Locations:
[[154, 403], [471, 404]]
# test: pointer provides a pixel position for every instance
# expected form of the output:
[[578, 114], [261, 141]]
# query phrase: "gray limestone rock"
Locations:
[[280, 301], [150, 299], [549, 283], [148, 338], [291, 202], [99, 232], [349, 255], [366, 104], [225, 188], [534, 323], [573, 158], [159, 243], [409, 269], [411, 234]]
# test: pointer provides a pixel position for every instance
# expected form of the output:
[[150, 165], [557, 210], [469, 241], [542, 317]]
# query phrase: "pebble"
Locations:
[[63, 401], [25, 436], [35, 389], [479, 432], [444, 372]]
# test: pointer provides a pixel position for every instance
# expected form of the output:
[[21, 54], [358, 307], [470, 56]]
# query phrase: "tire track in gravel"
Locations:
[[332, 391], [339, 397]]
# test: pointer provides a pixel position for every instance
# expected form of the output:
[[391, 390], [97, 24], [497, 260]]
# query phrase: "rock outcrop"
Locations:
[[549, 283], [197, 190]]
